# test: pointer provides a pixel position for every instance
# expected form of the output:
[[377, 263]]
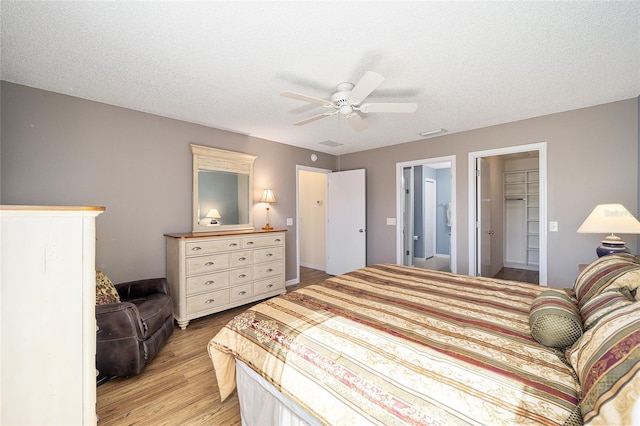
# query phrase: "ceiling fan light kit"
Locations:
[[348, 102]]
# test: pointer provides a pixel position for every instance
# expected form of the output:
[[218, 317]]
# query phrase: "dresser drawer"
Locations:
[[196, 248], [267, 270], [239, 293], [241, 258], [202, 283], [267, 286], [207, 301], [210, 263], [267, 254], [263, 241], [242, 275]]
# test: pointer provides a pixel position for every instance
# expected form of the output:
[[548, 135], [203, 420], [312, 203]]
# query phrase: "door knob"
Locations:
[[360, 230], [491, 232]]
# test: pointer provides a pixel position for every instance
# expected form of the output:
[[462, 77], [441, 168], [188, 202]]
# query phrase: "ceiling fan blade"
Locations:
[[389, 107], [356, 122], [304, 98], [367, 84], [314, 118]]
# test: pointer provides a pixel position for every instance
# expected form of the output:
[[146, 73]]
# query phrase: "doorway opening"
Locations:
[[425, 212], [507, 213], [311, 186]]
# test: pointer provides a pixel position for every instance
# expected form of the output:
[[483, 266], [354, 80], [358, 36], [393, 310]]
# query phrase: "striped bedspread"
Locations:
[[389, 344]]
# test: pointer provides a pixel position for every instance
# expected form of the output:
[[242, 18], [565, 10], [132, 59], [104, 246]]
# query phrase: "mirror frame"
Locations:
[[206, 158]]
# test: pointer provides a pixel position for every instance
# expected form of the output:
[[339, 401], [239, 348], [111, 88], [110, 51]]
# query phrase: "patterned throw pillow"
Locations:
[[105, 290], [614, 270], [554, 319], [607, 361], [605, 302]]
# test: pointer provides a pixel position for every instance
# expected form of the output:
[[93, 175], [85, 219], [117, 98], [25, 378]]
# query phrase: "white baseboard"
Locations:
[[312, 266], [521, 265]]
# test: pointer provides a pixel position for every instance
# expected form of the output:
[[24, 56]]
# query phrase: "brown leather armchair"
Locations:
[[131, 333]]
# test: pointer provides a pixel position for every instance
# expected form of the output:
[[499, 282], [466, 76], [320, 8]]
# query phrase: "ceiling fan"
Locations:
[[348, 101]]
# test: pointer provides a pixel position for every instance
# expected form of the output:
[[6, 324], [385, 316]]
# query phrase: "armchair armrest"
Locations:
[[142, 288], [118, 321]]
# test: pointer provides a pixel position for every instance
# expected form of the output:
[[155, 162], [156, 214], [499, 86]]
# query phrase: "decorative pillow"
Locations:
[[603, 273], [607, 361], [105, 290], [605, 302], [554, 319]]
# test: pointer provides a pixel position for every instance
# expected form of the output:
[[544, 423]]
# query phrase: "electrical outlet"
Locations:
[[553, 226]]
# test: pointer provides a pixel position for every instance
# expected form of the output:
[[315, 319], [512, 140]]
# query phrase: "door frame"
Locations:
[[541, 147], [299, 168], [407, 216], [451, 159]]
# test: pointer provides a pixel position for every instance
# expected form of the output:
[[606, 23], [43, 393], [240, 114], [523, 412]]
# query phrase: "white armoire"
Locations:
[[48, 326]]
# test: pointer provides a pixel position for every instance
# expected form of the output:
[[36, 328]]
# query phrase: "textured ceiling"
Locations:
[[223, 64]]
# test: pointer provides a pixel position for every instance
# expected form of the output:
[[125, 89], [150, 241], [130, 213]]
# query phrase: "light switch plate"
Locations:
[[553, 226], [289, 221], [391, 221]]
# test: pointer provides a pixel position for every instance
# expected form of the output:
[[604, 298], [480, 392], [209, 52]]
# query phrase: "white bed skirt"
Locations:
[[261, 404]]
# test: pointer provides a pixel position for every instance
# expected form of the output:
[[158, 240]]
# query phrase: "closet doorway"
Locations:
[[507, 213], [425, 213]]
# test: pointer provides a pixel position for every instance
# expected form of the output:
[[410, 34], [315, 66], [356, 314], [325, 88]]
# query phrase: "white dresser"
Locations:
[[48, 315], [210, 273]]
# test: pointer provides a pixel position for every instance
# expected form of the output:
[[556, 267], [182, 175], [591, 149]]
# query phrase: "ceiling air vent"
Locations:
[[331, 143]]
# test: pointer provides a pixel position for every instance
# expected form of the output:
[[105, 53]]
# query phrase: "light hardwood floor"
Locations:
[[179, 386]]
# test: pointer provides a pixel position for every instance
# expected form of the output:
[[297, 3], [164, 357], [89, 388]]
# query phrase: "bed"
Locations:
[[389, 344]]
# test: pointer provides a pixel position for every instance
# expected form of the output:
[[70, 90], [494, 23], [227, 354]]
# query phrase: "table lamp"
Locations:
[[610, 219], [268, 197]]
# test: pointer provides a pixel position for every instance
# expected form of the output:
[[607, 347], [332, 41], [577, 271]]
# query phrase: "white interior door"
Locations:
[[346, 241], [484, 218], [429, 218]]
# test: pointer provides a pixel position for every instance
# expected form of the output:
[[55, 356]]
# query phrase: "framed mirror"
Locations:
[[222, 188]]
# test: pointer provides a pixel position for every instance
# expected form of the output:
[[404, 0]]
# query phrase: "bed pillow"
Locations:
[[607, 361], [614, 270], [605, 302], [105, 290], [554, 319]]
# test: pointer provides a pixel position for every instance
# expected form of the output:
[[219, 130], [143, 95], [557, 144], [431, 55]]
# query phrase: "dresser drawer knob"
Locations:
[[269, 270], [209, 282], [242, 259], [270, 285], [242, 276], [249, 243], [196, 248], [278, 240], [209, 301], [209, 264], [269, 254], [242, 293], [233, 244]]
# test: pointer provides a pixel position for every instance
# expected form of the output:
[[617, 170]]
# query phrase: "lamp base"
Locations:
[[612, 245], [267, 227]]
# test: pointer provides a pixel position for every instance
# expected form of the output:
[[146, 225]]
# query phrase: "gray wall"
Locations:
[[592, 158], [61, 150]]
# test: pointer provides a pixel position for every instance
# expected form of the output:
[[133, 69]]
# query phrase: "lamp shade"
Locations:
[[214, 213], [610, 219], [268, 196]]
